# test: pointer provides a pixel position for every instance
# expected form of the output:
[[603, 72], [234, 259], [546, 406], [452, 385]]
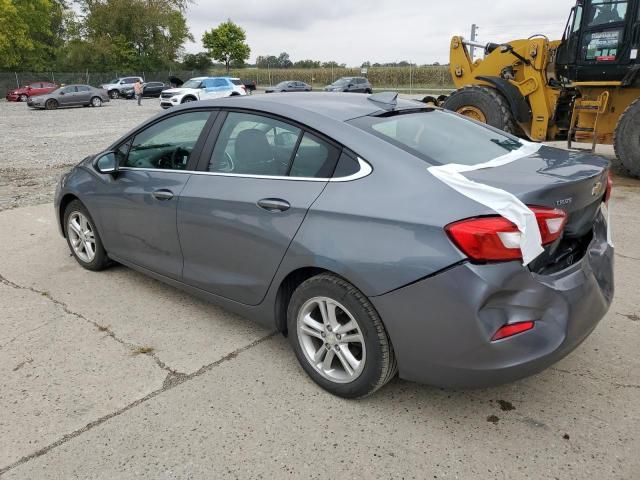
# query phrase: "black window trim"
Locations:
[[205, 155]]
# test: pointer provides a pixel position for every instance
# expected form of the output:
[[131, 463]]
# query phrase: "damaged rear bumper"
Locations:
[[441, 327]]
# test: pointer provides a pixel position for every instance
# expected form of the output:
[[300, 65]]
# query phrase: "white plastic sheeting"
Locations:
[[500, 201]]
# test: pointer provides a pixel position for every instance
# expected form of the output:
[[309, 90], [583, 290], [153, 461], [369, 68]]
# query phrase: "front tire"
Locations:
[[114, 94], [338, 337], [51, 104], [626, 140], [23, 98], [483, 104], [83, 238]]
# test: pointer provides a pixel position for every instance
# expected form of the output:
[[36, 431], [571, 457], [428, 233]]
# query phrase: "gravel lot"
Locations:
[[114, 375], [39, 145]]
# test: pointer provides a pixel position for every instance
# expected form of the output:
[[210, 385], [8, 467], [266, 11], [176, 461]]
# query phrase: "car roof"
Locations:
[[304, 106]]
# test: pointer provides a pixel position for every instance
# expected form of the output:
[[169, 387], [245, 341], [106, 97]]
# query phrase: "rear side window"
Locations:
[[347, 165], [314, 158], [439, 137], [251, 144]]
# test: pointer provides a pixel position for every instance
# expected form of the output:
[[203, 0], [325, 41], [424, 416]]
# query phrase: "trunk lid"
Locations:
[[572, 181]]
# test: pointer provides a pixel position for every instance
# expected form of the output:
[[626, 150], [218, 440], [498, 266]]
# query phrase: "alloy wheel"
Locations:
[[81, 237], [331, 339]]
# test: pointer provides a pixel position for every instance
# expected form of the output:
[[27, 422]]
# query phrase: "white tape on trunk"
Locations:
[[500, 201]]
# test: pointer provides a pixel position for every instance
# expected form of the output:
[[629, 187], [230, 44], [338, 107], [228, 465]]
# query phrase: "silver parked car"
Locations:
[[318, 215], [70, 96]]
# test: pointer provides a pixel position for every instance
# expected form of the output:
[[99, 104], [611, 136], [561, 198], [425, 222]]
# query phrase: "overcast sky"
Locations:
[[353, 31]]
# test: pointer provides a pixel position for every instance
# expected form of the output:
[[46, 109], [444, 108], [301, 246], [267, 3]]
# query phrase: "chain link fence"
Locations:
[[405, 79]]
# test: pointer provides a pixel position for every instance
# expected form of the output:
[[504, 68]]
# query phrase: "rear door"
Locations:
[[238, 215], [83, 95], [138, 205], [67, 96]]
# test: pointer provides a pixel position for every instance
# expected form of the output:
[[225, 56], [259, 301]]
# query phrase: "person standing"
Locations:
[[137, 89]]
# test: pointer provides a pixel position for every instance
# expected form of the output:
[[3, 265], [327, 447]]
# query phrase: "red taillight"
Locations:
[[496, 238], [512, 329], [607, 192]]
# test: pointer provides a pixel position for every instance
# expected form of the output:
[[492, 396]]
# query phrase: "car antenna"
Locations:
[[387, 100]]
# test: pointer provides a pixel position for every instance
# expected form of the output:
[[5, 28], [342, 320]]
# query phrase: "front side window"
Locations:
[[167, 144], [439, 137], [69, 89], [251, 144], [192, 84], [607, 11]]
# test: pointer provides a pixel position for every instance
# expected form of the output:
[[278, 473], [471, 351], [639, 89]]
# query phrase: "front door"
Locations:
[[237, 218], [138, 205]]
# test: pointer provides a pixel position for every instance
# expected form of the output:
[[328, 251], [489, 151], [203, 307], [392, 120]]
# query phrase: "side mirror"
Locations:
[[107, 163], [62, 92]]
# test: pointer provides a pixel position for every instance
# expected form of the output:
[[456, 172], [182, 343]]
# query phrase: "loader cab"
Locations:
[[601, 41]]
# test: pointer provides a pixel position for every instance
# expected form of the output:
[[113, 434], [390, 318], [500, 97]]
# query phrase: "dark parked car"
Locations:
[[249, 85], [271, 207], [289, 86], [150, 89], [31, 90], [70, 96], [350, 84]]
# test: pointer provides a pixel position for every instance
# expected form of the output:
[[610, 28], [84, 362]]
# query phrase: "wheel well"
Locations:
[[234, 94], [66, 200], [285, 291], [188, 96]]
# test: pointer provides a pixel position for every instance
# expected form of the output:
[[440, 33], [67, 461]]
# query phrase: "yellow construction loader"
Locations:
[[583, 88]]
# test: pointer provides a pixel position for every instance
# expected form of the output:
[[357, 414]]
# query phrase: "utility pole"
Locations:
[[474, 34]]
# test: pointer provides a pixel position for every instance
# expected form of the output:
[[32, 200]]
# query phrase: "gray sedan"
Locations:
[[70, 96], [319, 215], [289, 86]]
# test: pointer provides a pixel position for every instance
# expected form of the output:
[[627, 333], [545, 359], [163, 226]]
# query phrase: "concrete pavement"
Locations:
[[114, 375]]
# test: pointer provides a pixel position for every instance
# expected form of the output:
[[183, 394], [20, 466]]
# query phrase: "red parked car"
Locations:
[[31, 90]]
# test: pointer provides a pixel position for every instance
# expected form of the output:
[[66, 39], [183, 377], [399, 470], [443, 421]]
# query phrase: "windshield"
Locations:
[[192, 84], [341, 81], [440, 137], [282, 84], [115, 80]]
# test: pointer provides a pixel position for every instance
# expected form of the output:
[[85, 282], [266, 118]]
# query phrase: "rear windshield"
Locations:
[[235, 81], [439, 137]]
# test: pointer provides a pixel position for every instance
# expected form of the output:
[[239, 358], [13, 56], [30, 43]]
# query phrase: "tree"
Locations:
[[29, 32], [284, 61], [307, 64], [197, 61], [131, 35], [227, 44]]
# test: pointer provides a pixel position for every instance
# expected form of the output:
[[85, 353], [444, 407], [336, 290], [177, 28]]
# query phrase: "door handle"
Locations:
[[274, 204], [163, 194]]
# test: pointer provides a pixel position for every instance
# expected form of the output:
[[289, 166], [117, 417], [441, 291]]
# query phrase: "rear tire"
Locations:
[[626, 140], [483, 104], [114, 94], [96, 102], [23, 98], [51, 104], [357, 337]]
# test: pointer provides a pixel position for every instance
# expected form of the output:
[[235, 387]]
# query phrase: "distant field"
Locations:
[[430, 79]]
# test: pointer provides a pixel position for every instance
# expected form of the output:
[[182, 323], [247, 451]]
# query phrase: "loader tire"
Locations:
[[626, 140], [484, 104]]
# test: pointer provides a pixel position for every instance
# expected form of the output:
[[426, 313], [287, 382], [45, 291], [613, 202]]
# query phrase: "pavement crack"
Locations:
[[102, 328], [626, 256], [172, 381]]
